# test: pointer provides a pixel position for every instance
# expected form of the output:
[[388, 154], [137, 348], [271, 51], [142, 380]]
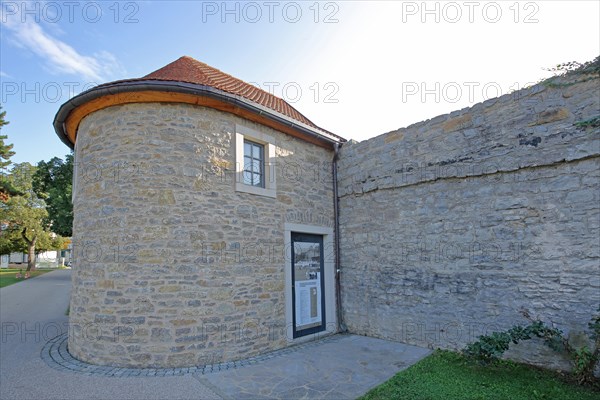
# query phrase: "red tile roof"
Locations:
[[194, 78], [187, 69]]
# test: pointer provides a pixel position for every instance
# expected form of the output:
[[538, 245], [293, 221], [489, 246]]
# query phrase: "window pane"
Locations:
[[247, 149], [258, 150], [256, 179], [256, 166], [247, 177]]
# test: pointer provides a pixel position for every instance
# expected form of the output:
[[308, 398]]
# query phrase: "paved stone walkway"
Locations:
[[342, 368], [336, 367]]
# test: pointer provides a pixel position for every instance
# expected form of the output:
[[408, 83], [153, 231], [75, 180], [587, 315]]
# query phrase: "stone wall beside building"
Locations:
[[458, 226]]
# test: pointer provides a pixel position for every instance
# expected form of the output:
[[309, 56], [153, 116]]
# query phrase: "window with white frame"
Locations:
[[255, 162]]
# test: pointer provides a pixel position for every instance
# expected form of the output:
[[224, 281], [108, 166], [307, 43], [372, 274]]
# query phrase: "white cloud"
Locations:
[[59, 56]]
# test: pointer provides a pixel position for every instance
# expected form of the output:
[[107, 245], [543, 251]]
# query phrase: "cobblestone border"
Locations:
[[57, 356]]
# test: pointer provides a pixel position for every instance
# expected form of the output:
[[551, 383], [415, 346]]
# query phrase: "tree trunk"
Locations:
[[31, 257], [30, 249]]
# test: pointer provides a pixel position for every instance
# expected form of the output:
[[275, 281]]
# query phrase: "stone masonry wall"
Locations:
[[452, 227], [172, 266]]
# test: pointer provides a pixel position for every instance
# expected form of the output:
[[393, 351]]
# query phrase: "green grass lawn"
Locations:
[[7, 276], [447, 375]]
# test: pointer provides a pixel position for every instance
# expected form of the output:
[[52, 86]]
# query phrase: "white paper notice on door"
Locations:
[[308, 303]]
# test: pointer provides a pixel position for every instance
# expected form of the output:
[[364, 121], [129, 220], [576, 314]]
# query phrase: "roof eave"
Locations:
[[184, 88]]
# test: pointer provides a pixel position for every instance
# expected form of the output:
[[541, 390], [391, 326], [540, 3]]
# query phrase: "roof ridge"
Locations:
[[211, 68]]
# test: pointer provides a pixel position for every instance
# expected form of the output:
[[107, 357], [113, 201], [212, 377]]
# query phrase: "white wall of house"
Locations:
[[17, 258], [45, 259], [48, 259]]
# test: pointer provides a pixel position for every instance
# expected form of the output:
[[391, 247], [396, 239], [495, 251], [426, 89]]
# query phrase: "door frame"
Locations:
[[329, 280], [302, 237]]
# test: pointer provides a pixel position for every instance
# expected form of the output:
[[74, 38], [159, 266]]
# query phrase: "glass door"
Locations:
[[308, 287]]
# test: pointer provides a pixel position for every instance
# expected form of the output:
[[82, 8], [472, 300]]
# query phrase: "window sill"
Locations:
[[241, 187]]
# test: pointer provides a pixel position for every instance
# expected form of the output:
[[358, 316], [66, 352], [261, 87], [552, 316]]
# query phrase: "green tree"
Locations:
[[24, 218], [52, 182], [6, 153], [5, 149]]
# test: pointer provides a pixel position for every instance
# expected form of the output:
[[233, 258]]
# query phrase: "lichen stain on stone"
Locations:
[[166, 197], [284, 199], [96, 131], [457, 123], [201, 184], [107, 284], [552, 115], [394, 137]]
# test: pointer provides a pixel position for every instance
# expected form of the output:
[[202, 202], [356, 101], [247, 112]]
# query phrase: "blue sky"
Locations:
[[356, 68]]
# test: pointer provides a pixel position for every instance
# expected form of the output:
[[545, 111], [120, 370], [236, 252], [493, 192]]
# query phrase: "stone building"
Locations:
[[194, 195], [212, 221]]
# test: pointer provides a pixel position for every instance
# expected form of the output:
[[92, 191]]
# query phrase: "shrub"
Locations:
[[491, 347]]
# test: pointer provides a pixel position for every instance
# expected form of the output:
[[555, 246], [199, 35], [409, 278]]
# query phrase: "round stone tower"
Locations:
[[181, 249]]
